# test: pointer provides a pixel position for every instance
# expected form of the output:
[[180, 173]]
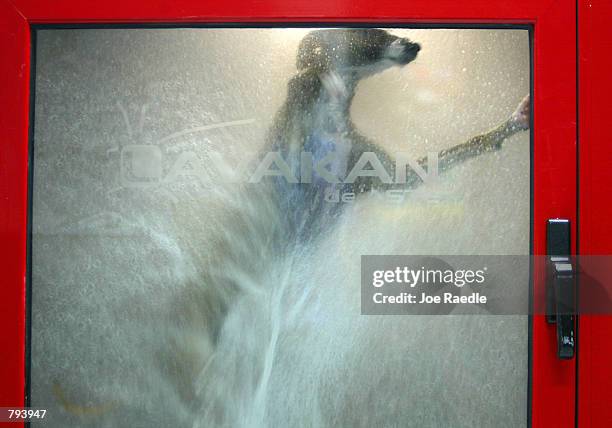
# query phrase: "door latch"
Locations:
[[561, 286]]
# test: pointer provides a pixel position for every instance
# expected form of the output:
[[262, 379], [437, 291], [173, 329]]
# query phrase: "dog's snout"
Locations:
[[403, 51], [413, 47], [409, 47]]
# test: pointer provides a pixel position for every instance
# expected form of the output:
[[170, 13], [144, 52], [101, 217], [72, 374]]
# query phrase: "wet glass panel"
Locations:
[[201, 203]]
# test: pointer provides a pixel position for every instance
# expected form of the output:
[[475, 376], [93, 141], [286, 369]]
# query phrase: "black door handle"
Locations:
[[561, 286]]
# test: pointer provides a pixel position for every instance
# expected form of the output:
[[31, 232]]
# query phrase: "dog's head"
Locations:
[[356, 52]]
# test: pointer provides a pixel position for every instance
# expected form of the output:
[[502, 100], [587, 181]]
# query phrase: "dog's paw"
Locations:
[[521, 117]]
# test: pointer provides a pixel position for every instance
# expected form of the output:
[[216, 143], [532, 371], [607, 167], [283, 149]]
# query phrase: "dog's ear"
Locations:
[[313, 53]]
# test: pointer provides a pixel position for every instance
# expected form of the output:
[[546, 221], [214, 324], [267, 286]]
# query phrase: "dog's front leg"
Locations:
[[487, 142]]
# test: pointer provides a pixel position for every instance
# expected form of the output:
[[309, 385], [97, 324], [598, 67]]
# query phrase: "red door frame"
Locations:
[[554, 150], [595, 206]]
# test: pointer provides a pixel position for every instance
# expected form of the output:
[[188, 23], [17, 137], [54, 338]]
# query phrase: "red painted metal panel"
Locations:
[[554, 175], [595, 346], [554, 131], [279, 10], [14, 100]]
